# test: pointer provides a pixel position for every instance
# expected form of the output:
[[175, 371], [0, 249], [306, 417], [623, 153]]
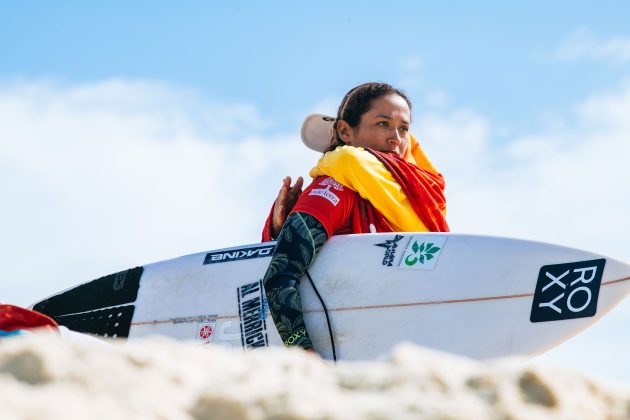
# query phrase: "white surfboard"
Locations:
[[477, 296]]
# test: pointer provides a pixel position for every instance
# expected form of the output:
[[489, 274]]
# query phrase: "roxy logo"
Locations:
[[294, 337], [567, 291], [239, 254]]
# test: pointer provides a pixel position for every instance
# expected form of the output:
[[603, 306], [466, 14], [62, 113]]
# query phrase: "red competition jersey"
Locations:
[[338, 208], [329, 202]]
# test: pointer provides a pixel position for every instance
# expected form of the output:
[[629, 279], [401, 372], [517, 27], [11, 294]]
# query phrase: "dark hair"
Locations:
[[357, 102]]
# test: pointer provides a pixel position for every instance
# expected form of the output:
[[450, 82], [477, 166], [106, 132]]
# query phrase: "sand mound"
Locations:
[[45, 377]]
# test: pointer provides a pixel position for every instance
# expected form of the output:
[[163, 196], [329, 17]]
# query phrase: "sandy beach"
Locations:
[[45, 377]]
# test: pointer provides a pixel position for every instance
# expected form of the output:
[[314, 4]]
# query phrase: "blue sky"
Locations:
[[133, 133], [283, 56]]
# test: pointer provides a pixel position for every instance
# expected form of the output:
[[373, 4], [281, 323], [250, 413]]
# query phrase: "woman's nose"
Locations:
[[395, 137]]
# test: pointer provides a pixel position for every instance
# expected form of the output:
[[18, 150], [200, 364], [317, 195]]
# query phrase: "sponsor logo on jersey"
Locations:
[[252, 311], [567, 291], [331, 181], [418, 252], [239, 254], [326, 193]]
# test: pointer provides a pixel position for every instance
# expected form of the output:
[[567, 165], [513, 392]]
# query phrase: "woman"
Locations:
[[374, 178]]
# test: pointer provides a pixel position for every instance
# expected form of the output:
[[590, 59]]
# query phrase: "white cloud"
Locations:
[[455, 139], [583, 44], [327, 106], [102, 177], [437, 99], [411, 63]]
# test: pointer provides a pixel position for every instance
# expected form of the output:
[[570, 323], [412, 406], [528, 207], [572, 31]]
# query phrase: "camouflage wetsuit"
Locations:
[[301, 237]]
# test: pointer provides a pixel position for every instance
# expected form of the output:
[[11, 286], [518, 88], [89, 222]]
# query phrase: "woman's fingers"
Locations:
[[297, 188], [287, 196], [280, 207]]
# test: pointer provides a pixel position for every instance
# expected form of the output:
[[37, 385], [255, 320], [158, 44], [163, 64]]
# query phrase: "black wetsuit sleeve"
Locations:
[[301, 237]]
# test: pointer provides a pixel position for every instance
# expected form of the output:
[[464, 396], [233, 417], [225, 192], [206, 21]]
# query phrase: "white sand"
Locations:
[[43, 377]]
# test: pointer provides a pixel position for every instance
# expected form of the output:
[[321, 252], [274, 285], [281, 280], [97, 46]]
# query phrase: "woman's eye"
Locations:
[[404, 129], [382, 124]]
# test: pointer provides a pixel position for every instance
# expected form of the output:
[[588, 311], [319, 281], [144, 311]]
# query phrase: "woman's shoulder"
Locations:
[[348, 154], [345, 163]]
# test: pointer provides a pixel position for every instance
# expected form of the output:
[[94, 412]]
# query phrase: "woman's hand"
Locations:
[[287, 196]]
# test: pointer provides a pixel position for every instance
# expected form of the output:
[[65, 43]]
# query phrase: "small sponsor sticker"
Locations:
[[239, 254], [419, 252], [422, 252], [252, 312], [390, 246], [567, 291], [205, 332]]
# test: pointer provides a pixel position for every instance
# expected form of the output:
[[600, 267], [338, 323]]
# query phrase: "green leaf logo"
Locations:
[[421, 253]]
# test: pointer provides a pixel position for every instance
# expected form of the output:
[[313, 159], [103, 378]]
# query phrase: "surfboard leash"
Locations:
[[332, 340]]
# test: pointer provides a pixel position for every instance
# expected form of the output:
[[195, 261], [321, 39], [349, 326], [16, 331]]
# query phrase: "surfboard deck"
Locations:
[[476, 296]]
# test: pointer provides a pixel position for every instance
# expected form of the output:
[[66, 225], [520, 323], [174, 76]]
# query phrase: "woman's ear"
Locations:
[[344, 131]]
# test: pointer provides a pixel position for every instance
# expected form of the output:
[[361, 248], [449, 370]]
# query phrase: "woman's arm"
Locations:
[[299, 241]]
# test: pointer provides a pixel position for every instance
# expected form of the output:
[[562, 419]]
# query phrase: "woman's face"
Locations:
[[385, 127]]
